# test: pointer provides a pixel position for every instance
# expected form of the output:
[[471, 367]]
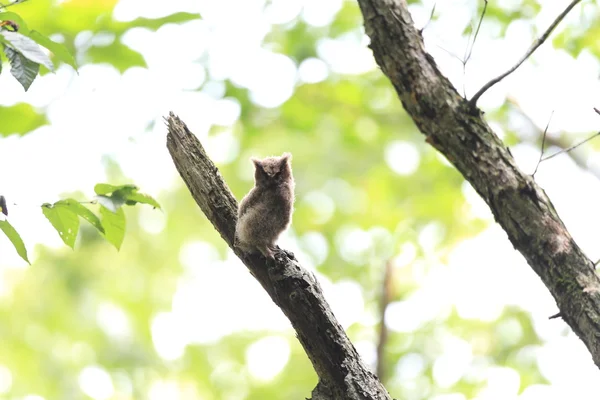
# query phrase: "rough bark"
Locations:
[[461, 134], [342, 374]]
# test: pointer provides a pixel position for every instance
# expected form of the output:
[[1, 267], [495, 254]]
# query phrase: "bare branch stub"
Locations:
[[538, 42], [342, 374]]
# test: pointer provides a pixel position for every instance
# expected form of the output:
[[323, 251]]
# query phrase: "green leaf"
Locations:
[[64, 220], [118, 55], [155, 23], [11, 16], [20, 119], [121, 195], [21, 67], [113, 197], [114, 225], [110, 202], [82, 211], [106, 188], [58, 49], [15, 239], [135, 198], [28, 48]]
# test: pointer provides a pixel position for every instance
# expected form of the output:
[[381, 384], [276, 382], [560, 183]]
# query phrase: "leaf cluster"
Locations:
[[23, 49], [64, 215]]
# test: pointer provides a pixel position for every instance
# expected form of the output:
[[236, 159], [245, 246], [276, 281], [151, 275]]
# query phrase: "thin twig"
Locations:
[[534, 46], [42, 205], [383, 331], [430, 18], [470, 51], [470, 45], [579, 158], [571, 148], [451, 54], [3, 6], [464, 64], [543, 143]]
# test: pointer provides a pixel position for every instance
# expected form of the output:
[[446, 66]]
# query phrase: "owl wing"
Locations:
[[250, 199]]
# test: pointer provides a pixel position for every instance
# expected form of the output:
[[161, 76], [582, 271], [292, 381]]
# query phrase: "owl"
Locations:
[[266, 211]]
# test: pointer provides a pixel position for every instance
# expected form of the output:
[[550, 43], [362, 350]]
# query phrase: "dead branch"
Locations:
[[342, 374]]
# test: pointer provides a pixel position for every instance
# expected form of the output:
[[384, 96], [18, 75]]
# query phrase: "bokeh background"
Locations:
[[175, 315]]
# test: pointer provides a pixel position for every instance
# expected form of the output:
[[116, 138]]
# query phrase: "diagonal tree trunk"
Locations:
[[342, 374], [459, 132]]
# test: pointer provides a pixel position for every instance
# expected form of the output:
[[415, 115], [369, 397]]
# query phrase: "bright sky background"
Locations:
[[483, 274]]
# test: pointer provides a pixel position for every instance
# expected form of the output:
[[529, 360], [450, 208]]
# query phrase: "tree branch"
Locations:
[[542, 147], [580, 159], [342, 374], [519, 205], [571, 148], [539, 41], [386, 293]]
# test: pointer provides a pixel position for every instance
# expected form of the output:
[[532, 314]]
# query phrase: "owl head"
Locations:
[[272, 170]]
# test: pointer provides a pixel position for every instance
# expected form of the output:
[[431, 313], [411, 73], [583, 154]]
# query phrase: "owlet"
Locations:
[[266, 211]]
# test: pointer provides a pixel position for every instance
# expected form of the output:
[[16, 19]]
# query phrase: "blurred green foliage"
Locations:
[[51, 314], [20, 118]]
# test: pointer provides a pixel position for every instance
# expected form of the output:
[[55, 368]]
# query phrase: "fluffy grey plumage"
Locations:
[[266, 211]]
